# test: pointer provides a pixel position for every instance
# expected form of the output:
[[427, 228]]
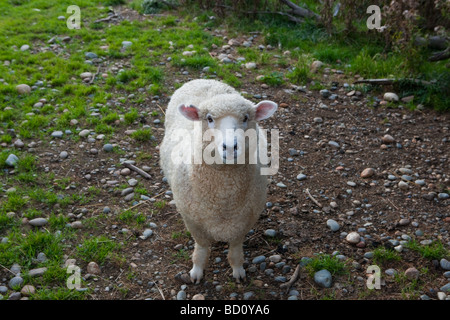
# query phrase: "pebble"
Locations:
[[281, 185], [93, 268], [404, 222], [367, 173], [125, 172], [18, 143], [325, 93], [441, 295], [403, 185], [333, 225], [11, 160], [84, 133], [391, 272], [443, 196], [146, 234], [445, 288], [301, 177], [24, 47], [133, 182], [37, 272], [15, 296], [390, 96], [76, 225], [198, 296], [412, 273], [108, 147], [248, 295], [23, 89], [445, 264], [63, 155], [353, 237], [351, 184], [333, 144], [181, 295], [323, 278], [258, 259], [318, 120], [270, 233], [15, 282], [126, 191], [38, 222], [57, 134], [387, 138], [250, 65]]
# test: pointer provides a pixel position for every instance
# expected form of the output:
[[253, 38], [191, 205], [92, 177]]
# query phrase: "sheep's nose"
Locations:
[[225, 147]]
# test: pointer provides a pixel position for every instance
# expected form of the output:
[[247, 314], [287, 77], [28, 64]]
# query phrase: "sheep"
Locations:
[[219, 201]]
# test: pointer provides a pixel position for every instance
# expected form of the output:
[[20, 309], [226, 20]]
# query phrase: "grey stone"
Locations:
[[181, 295], [445, 264], [126, 191], [333, 225], [38, 222], [11, 160], [37, 272], [281, 185], [15, 282], [63, 155], [90, 55], [258, 259], [323, 278], [301, 177], [146, 234], [57, 134], [23, 88], [248, 295], [270, 233], [445, 288], [325, 93], [3, 289], [333, 144], [443, 196], [108, 147]]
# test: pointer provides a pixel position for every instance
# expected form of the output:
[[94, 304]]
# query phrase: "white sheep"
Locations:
[[218, 201]]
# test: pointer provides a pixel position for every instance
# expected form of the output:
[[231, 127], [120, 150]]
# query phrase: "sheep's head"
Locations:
[[226, 120]]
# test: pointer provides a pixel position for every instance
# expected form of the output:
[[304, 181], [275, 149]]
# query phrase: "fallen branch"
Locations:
[[312, 199], [107, 18], [299, 11], [291, 281], [136, 169], [441, 55], [391, 81]]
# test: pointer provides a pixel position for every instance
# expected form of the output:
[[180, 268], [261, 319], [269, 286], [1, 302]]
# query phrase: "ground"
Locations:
[[90, 218]]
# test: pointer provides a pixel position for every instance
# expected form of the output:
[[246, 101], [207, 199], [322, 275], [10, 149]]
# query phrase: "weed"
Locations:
[[142, 135], [328, 262], [434, 251], [382, 255]]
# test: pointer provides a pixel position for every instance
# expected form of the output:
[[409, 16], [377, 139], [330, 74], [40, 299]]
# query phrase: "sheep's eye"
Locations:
[[210, 119], [245, 118]]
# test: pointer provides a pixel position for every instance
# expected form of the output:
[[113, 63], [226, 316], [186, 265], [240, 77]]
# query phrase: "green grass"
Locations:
[[383, 255], [142, 135], [327, 262], [97, 249], [435, 251]]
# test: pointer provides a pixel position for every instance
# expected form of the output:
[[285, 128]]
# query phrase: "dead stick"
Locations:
[[291, 281], [140, 171], [312, 199]]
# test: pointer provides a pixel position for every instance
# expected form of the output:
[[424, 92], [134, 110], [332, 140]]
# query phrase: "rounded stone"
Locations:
[[93, 268], [38, 222], [445, 264], [323, 278], [15, 282], [23, 89], [353, 237], [333, 225], [108, 147]]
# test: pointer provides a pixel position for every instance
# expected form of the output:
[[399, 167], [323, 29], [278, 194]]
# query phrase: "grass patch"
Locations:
[[142, 135], [433, 251], [382, 255], [97, 249], [327, 262]]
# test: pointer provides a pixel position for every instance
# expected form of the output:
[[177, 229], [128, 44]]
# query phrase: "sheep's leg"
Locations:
[[236, 260], [199, 259]]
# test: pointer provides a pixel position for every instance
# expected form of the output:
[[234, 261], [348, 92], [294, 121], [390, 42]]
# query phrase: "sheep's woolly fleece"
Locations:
[[220, 205]]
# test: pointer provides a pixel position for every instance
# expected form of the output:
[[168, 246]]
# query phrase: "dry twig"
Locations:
[[136, 169], [312, 198]]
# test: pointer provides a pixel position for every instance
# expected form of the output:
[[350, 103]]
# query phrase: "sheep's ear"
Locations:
[[265, 109], [190, 112]]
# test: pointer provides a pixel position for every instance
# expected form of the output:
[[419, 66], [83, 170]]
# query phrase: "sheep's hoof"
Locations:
[[239, 274], [196, 274]]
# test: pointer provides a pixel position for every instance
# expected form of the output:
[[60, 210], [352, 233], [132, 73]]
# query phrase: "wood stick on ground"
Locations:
[[312, 199], [291, 281], [136, 169]]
